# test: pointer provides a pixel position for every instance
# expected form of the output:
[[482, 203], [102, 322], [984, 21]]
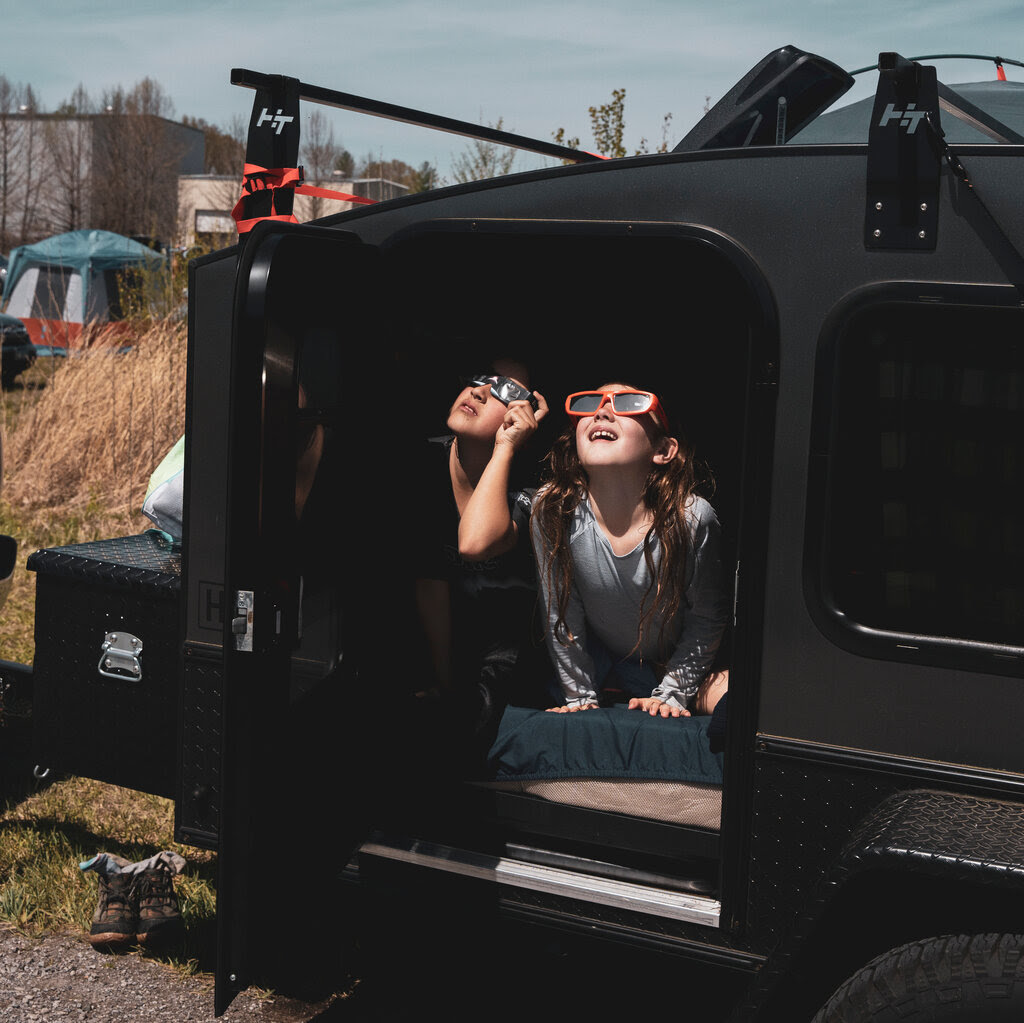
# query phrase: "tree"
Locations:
[[483, 159], [425, 178], [224, 152], [21, 146], [318, 156], [345, 164], [608, 126], [135, 163], [414, 179], [607, 122], [31, 151], [391, 170], [69, 139], [10, 165]]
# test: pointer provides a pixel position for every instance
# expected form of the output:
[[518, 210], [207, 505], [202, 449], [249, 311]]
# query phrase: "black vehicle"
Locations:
[[842, 325], [17, 352]]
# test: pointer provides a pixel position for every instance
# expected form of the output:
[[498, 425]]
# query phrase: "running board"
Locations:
[[696, 909]]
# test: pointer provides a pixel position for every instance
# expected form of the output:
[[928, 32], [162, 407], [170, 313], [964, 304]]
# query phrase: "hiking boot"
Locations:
[[159, 921], [113, 923]]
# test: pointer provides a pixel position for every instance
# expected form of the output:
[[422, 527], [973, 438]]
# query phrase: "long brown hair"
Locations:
[[667, 491]]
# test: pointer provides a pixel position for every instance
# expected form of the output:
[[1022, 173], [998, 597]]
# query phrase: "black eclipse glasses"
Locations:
[[505, 389]]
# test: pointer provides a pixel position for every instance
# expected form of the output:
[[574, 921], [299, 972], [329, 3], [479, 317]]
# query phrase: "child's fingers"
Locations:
[[525, 413], [654, 707]]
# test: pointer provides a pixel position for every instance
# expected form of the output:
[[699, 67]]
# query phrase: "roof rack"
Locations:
[[998, 61], [420, 118]]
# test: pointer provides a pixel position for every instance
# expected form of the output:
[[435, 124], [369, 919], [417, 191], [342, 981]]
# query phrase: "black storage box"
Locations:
[[107, 660]]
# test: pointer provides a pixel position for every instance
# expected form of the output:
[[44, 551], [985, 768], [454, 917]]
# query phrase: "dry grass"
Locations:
[[82, 436], [98, 428]]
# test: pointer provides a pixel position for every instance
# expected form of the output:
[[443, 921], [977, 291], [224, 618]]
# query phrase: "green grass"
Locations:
[[43, 839]]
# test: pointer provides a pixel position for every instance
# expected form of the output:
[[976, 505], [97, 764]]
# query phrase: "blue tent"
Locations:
[[72, 277]]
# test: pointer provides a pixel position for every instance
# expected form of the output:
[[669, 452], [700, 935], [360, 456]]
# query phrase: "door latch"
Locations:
[[241, 621]]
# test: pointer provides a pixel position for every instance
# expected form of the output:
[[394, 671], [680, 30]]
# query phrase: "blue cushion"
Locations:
[[534, 745]]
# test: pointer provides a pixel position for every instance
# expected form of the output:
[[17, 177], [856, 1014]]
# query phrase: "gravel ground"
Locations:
[[62, 978]]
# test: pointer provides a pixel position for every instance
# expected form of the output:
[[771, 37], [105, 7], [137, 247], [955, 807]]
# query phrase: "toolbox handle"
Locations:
[[120, 657]]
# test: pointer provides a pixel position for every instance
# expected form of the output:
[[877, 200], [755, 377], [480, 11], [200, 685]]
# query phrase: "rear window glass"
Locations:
[[926, 473]]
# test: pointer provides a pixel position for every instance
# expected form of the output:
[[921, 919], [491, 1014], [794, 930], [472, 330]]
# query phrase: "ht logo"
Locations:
[[909, 118], [278, 119]]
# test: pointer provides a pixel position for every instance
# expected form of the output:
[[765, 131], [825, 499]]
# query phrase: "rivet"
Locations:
[[878, 205], [877, 233], [920, 234], [924, 206], [233, 978]]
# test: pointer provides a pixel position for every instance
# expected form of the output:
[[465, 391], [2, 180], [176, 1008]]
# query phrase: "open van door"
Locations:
[[299, 386]]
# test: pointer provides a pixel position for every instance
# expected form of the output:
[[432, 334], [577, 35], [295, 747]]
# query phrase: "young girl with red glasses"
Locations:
[[627, 556]]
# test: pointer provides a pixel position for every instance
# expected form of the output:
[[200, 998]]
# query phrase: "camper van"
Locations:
[[838, 325]]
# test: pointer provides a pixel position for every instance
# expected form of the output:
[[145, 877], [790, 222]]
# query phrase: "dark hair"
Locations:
[[667, 491]]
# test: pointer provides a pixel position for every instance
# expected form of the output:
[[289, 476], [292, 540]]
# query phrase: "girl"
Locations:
[[627, 555], [475, 584]]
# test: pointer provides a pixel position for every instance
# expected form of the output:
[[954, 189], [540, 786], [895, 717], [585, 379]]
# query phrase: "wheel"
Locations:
[[975, 978]]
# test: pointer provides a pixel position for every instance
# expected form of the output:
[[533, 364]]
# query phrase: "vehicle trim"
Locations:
[[1006, 783], [662, 902]]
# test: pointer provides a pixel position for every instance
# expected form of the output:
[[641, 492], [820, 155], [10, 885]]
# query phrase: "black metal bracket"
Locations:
[[902, 199]]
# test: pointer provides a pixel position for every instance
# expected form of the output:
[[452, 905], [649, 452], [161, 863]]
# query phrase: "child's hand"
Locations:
[[572, 710], [520, 422], [654, 707]]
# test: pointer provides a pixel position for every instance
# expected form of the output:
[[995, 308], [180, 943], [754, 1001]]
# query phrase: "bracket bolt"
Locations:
[[878, 205], [877, 233], [920, 234], [924, 206]]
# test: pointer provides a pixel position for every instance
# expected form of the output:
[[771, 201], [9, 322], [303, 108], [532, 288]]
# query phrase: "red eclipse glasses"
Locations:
[[623, 403]]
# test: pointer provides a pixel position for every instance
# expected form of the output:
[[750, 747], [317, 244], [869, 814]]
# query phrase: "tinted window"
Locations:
[[925, 527]]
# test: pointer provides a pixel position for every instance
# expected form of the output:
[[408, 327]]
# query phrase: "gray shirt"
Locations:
[[607, 596]]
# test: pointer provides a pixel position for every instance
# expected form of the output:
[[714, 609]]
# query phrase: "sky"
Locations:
[[537, 65]]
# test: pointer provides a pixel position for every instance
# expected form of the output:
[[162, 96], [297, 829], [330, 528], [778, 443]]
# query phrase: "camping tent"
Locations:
[[60, 283]]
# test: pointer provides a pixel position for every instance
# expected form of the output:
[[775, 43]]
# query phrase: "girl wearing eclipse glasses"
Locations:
[[627, 556], [475, 577]]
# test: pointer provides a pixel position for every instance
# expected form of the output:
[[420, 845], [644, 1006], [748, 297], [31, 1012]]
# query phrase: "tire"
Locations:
[[969, 978]]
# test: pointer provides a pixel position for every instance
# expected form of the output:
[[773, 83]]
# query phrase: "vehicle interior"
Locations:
[[575, 304]]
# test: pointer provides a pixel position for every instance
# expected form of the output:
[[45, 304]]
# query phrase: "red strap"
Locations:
[[327, 193], [257, 179]]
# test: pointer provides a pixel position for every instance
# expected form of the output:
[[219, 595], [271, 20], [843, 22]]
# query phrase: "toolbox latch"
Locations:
[[121, 657]]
